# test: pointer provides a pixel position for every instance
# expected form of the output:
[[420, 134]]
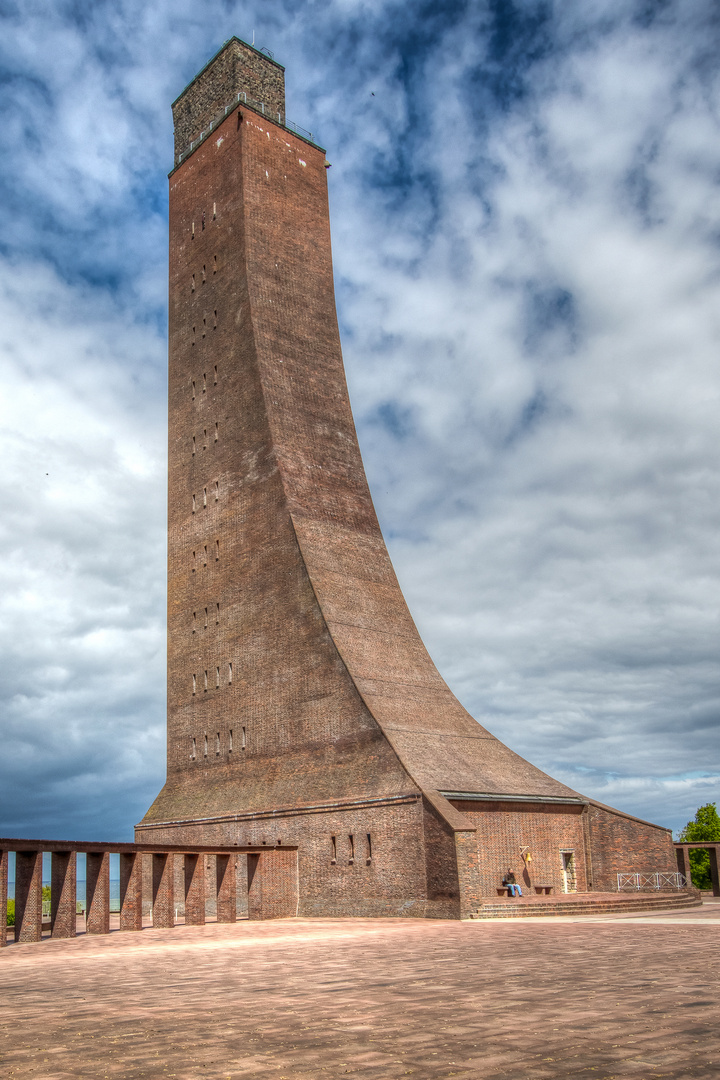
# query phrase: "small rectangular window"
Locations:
[[204, 496], [193, 446], [333, 849], [204, 382], [193, 389], [204, 438], [193, 504], [193, 230], [217, 677], [214, 264], [193, 284], [193, 337], [194, 684], [204, 327], [230, 741], [206, 619], [216, 374], [244, 739], [214, 212], [206, 682], [217, 490], [206, 746], [217, 743], [217, 613], [193, 752], [351, 838], [230, 680], [215, 319], [216, 432], [369, 847], [217, 550], [194, 622], [205, 551], [193, 568]]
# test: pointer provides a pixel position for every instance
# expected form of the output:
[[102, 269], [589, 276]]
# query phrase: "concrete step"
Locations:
[[584, 904]]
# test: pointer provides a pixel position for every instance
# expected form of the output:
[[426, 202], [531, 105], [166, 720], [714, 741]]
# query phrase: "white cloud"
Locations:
[[525, 235]]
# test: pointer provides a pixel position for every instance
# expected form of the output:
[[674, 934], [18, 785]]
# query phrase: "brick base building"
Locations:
[[303, 708]]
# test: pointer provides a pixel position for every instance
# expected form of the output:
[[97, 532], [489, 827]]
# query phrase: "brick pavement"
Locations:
[[377, 999]]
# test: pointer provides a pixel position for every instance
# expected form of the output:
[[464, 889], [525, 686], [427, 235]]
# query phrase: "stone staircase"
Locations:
[[587, 904]]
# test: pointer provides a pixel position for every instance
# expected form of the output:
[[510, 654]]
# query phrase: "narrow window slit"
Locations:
[[194, 684], [217, 490], [204, 496], [217, 743], [193, 504], [206, 681], [193, 752], [217, 678], [216, 432], [244, 739], [333, 850], [193, 449], [206, 619], [216, 378], [206, 746], [194, 621], [351, 838], [230, 680], [230, 741], [217, 550], [369, 847], [217, 613]]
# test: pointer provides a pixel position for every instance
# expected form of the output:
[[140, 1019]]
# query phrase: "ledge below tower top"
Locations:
[[236, 68]]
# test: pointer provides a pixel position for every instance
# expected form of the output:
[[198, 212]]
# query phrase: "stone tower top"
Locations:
[[236, 68]]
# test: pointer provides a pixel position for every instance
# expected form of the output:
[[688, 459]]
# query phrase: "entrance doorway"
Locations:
[[568, 869]]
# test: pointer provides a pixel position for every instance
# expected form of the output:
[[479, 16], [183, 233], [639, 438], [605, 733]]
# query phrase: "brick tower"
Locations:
[[303, 707]]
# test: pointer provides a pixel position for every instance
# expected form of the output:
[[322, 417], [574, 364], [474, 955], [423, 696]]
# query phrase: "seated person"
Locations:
[[512, 885]]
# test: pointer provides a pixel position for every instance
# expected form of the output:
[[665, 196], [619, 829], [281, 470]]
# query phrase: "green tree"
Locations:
[[706, 826]]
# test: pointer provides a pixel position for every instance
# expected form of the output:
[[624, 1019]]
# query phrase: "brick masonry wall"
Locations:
[[386, 876], [621, 844], [237, 67], [504, 829]]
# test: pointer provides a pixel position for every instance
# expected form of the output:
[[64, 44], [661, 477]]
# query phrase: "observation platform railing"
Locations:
[[644, 882], [257, 106]]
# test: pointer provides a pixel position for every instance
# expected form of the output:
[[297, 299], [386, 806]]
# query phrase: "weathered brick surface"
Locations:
[[194, 868], [624, 845], [28, 895], [237, 67], [131, 892], [273, 885], [163, 881], [97, 883], [3, 892], [302, 704], [63, 894]]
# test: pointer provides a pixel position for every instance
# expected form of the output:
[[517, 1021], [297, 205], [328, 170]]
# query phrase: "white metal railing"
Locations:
[[637, 882], [261, 107]]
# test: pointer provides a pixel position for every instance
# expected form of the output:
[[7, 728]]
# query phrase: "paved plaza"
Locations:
[[376, 999]]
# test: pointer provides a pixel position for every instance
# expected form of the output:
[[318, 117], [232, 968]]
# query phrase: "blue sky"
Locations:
[[525, 208]]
